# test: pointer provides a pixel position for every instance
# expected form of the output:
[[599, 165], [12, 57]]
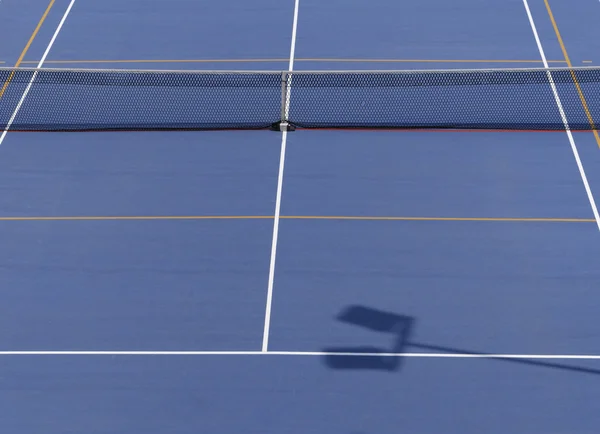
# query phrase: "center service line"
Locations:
[[265, 343]]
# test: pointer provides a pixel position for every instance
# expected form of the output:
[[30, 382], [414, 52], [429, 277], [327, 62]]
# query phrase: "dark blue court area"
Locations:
[[312, 281]]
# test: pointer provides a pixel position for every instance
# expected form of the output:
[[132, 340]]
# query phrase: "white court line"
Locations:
[[265, 343], [303, 354], [40, 64], [563, 116]]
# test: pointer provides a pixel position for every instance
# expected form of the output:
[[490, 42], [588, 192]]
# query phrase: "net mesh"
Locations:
[[83, 100], [97, 100]]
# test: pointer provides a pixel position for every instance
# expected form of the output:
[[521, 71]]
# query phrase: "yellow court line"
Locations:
[[568, 60], [432, 60], [29, 42], [307, 217], [109, 218], [345, 60], [162, 61], [445, 219]]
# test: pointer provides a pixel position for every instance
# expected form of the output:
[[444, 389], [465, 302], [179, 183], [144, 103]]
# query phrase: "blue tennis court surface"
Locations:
[[424, 282]]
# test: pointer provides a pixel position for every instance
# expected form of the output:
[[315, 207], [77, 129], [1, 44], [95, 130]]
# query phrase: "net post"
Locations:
[[283, 124]]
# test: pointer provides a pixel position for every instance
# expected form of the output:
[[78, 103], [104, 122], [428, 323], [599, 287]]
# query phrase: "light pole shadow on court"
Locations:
[[400, 328]]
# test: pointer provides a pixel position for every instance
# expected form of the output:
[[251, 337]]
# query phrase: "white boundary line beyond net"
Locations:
[[303, 354], [563, 116]]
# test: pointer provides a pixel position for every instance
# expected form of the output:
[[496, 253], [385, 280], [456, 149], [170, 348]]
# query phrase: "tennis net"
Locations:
[[49, 99]]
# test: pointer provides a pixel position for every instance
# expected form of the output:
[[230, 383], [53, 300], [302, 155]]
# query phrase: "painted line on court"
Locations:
[[563, 116], [445, 219], [341, 60], [271, 278], [26, 49], [573, 75], [48, 48], [299, 217], [303, 354]]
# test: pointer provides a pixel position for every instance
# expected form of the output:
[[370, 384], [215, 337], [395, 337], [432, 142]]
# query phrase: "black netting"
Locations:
[[79, 100], [76, 100], [470, 99]]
